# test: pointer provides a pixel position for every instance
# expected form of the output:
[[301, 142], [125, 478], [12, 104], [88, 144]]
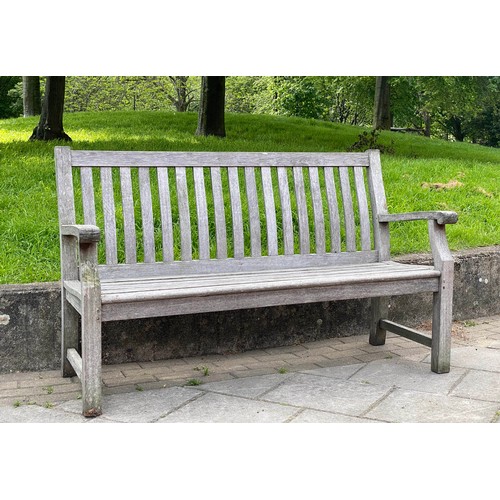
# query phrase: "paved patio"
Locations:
[[342, 380]]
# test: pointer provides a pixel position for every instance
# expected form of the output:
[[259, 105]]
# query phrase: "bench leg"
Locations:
[[91, 342], [69, 334], [379, 310], [441, 329]]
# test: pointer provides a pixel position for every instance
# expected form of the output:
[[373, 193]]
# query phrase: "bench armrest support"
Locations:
[[83, 233], [441, 217]]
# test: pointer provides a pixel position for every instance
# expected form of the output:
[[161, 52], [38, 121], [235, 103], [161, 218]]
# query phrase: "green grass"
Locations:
[[29, 247]]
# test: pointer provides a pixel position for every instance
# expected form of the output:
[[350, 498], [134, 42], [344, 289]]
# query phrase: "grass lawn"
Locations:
[[29, 241]]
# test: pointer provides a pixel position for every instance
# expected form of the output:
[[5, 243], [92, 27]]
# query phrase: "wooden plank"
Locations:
[[379, 205], [108, 204], [88, 195], [441, 217], [408, 333], [125, 271], [148, 230], [227, 302], [300, 196], [319, 222], [75, 360], [333, 209], [184, 216], [219, 212], [167, 233], [128, 216], [379, 311], [350, 229], [202, 214], [286, 211], [234, 192], [215, 159], [364, 216], [270, 208], [253, 212]]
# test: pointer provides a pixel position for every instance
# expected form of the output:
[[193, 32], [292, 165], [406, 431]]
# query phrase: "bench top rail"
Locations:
[[156, 207]]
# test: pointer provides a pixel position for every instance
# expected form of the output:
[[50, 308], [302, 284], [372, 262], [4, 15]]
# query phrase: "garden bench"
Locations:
[[193, 232]]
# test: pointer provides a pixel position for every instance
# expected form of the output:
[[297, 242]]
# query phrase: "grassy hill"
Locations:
[[29, 247]]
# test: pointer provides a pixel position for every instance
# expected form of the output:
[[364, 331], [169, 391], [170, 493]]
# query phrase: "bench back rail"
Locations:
[[168, 207]]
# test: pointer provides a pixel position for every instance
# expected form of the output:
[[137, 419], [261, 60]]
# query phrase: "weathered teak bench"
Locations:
[[224, 231]]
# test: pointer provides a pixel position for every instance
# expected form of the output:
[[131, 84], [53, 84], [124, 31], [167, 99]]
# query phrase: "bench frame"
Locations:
[[82, 275]]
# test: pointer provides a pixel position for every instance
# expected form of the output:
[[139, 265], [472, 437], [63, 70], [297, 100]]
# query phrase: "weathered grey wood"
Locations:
[[441, 217], [286, 211], [201, 213], [272, 234], [300, 197], [148, 231], [319, 221], [128, 215], [253, 212], [88, 200], [83, 233], [91, 341], [442, 300], [364, 216], [406, 332], [350, 229], [108, 205], [184, 216], [215, 159], [219, 212], [378, 205], [76, 361], [333, 209], [167, 234], [379, 311], [234, 192]]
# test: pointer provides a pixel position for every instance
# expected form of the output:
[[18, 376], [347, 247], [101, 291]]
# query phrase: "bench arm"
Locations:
[[85, 234], [441, 217]]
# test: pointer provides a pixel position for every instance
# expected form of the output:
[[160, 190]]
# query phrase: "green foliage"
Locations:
[[370, 140], [9, 101]]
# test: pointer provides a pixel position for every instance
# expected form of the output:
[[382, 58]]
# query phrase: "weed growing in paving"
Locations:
[[203, 369], [282, 370], [194, 381]]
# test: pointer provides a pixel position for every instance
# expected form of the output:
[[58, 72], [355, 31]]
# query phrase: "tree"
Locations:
[[31, 96], [8, 108], [382, 110], [211, 112], [50, 126]]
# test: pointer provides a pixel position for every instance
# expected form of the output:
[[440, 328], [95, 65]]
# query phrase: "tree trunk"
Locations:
[[32, 105], [427, 123], [211, 112], [50, 126], [382, 112]]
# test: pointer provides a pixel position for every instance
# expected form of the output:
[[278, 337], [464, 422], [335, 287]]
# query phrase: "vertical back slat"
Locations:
[[220, 217], [286, 211], [234, 192], [272, 235], [184, 218], [88, 195], [148, 231], [364, 216], [350, 230], [300, 197], [202, 214], [108, 204], [128, 215], [165, 214], [319, 218], [253, 212], [333, 209]]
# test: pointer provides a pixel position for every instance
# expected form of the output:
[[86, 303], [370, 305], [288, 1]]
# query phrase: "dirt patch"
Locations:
[[439, 186]]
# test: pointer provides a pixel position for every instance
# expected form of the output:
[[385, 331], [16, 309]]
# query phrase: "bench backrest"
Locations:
[[213, 210]]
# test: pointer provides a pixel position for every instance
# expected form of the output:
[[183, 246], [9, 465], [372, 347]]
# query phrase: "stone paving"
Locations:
[[341, 380]]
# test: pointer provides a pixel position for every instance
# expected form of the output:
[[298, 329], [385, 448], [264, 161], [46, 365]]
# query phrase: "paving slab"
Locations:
[[479, 385], [323, 417], [322, 393], [34, 414], [219, 408], [420, 407], [480, 358], [139, 407], [342, 372], [250, 387], [407, 375]]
